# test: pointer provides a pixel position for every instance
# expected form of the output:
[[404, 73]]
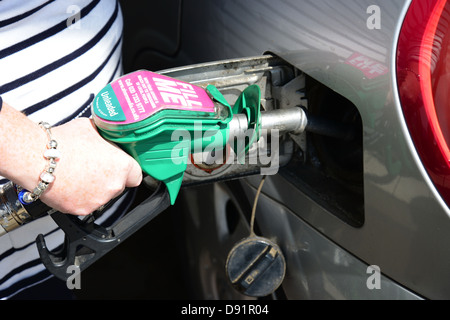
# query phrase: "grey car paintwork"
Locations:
[[406, 228]]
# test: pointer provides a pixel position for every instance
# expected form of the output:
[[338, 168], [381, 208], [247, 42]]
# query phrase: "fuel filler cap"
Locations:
[[256, 266]]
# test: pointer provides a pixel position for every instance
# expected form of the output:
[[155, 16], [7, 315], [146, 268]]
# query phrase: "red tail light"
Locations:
[[423, 74]]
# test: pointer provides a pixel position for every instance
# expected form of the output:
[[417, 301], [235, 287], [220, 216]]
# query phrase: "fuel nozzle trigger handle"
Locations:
[[85, 241]]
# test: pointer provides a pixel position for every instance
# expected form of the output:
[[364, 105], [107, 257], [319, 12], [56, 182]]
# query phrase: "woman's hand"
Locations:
[[91, 170]]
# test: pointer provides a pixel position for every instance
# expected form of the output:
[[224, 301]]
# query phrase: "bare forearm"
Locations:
[[22, 145]]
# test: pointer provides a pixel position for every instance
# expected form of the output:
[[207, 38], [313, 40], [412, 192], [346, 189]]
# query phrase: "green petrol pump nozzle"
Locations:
[[161, 122], [142, 112]]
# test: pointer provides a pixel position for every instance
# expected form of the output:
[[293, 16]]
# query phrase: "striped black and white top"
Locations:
[[55, 55]]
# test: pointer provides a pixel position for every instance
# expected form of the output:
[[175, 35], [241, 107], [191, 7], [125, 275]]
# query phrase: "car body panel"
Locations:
[[318, 268], [406, 224]]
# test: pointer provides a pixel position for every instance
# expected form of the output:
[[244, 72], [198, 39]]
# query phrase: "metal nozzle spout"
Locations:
[[291, 120], [285, 120]]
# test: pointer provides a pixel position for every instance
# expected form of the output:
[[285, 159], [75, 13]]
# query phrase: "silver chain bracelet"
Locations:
[[47, 176]]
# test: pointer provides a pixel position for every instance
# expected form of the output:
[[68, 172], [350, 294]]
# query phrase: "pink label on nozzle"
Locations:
[[143, 93]]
